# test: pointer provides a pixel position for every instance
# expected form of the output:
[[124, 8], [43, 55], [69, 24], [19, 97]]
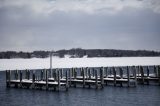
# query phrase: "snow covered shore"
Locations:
[[37, 63]]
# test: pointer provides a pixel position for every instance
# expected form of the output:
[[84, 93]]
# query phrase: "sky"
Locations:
[[28, 25]]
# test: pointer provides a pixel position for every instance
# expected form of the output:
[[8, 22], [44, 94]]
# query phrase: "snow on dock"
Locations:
[[38, 63]]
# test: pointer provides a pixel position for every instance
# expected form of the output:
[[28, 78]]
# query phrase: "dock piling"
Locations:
[[33, 80], [46, 72], [135, 74], [83, 72], [102, 76], [96, 76], [66, 80], [16, 75], [114, 74], [128, 76], [58, 80], [142, 74], [147, 75], [106, 70], [20, 78], [159, 74]]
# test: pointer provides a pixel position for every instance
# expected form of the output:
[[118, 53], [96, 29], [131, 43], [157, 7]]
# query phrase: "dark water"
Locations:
[[109, 96]]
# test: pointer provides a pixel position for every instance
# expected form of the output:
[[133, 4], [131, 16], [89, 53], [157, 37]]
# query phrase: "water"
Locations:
[[109, 96]]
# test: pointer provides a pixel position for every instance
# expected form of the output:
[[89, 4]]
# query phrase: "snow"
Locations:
[[38, 63]]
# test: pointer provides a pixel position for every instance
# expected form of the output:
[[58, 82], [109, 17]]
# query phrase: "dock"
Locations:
[[84, 77]]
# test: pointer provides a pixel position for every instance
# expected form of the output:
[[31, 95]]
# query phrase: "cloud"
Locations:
[[88, 6], [58, 24]]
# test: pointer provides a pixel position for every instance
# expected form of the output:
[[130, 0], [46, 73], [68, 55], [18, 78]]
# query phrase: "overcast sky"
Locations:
[[27, 25]]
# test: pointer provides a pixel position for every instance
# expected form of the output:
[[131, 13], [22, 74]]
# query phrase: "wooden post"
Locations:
[[106, 72], [89, 76], [86, 72], [66, 81], [121, 72], [83, 77], [138, 71], [89, 73], [159, 74], [51, 64], [81, 73], [135, 75], [16, 75], [114, 73], [46, 72], [53, 71], [28, 75], [96, 80], [75, 73], [26, 72], [56, 75], [155, 71], [61, 72], [72, 72], [147, 71], [142, 74], [33, 79], [58, 80], [128, 76], [70, 75], [102, 76], [110, 72], [20, 78], [42, 75], [147, 75], [8, 78], [93, 71]]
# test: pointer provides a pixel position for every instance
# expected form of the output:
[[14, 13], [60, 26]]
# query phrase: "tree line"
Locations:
[[78, 52]]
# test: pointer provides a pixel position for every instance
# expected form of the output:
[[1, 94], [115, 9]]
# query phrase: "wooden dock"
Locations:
[[62, 79]]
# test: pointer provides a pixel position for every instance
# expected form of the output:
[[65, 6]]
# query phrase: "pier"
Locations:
[[85, 77]]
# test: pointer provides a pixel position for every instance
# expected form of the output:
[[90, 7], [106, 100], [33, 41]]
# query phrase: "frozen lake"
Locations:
[[38, 63]]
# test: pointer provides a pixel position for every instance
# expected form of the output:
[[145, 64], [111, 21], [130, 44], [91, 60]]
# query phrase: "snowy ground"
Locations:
[[36, 63]]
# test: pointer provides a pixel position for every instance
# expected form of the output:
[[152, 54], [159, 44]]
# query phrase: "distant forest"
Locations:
[[78, 52]]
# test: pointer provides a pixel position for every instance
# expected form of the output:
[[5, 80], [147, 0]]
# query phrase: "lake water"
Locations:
[[142, 95]]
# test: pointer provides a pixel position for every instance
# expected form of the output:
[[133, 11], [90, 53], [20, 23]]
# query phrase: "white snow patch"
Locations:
[[38, 63]]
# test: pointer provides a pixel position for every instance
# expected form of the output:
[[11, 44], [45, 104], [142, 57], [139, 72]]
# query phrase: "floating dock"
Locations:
[[62, 79]]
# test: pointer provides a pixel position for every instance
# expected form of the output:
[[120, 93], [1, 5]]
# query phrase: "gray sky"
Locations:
[[27, 25]]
